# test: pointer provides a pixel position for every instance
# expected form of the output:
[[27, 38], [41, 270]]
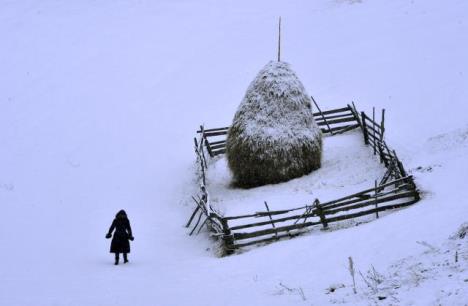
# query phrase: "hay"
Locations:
[[273, 137]]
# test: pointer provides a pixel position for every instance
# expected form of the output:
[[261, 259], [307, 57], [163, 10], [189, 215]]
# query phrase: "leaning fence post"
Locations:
[[400, 165], [271, 219], [321, 213], [323, 116], [227, 237], [196, 224], [192, 216], [364, 128], [375, 200], [356, 114]]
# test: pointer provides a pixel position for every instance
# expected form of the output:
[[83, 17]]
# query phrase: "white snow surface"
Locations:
[[99, 104]]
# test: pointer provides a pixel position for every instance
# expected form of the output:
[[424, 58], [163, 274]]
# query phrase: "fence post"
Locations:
[[204, 141], [382, 130], [201, 158], [320, 213], [375, 199], [381, 153], [192, 216], [323, 116], [203, 176], [417, 197], [355, 113], [364, 128], [373, 128], [271, 219], [227, 237], [196, 147], [196, 224], [382, 125], [199, 150], [400, 165]]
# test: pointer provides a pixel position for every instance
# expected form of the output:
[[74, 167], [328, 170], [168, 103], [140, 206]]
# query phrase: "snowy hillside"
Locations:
[[99, 104]]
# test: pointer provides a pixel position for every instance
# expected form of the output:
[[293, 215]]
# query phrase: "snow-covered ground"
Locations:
[[99, 104]]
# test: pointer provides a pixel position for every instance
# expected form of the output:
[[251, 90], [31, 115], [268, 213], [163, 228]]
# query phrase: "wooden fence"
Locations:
[[331, 122], [395, 189], [373, 133], [203, 209]]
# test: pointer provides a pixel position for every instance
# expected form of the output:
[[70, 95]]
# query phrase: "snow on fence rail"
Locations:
[[395, 190]]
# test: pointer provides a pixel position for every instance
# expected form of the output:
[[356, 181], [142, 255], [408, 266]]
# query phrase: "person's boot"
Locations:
[[125, 258], [116, 260]]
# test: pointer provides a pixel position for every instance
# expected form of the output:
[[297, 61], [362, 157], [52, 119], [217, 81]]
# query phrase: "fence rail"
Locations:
[[394, 190]]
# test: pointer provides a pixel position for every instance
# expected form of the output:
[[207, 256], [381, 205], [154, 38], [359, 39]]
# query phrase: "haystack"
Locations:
[[273, 137]]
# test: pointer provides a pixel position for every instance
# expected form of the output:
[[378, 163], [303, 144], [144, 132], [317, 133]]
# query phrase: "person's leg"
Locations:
[[116, 258], [125, 257]]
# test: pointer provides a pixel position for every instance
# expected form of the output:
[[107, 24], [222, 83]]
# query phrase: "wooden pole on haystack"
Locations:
[[279, 40]]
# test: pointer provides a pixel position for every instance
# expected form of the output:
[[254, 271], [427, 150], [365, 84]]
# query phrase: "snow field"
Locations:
[[99, 104]]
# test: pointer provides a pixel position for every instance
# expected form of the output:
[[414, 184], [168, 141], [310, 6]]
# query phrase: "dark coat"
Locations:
[[123, 232]]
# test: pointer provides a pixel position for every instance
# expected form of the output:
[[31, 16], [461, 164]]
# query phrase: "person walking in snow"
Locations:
[[123, 233]]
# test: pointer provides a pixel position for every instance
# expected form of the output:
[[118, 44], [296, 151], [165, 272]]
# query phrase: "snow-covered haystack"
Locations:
[[273, 137]]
